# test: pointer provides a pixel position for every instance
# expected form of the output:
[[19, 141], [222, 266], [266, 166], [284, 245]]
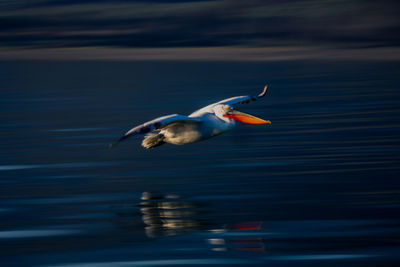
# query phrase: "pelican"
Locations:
[[202, 124]]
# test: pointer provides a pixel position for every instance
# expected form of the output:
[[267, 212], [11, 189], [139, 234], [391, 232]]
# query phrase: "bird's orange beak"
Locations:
[[244, 117]]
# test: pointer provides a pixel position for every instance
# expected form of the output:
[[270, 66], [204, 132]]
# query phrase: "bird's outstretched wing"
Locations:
[[243, 99], [154, 125]]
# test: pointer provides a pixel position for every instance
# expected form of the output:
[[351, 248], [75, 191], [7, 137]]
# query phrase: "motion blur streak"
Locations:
[[199, 30], [318, 187], [181, 23]]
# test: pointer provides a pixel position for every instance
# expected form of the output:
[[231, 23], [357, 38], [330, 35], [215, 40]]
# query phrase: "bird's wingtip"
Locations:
[[264, 91], [119, 140]]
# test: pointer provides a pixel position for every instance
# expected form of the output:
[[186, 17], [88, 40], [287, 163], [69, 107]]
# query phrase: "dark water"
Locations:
[[320, 186]]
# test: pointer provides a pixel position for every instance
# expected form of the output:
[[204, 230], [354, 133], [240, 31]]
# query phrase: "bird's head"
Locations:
[[228, 113]]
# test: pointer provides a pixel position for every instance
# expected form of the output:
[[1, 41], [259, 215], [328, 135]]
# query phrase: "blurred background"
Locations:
[[318, 187], [291, 29]]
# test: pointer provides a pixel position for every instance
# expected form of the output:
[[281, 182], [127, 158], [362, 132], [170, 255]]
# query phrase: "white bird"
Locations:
[[202, 124]]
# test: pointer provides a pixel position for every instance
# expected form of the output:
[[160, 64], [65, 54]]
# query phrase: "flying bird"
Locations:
[[202, 124]]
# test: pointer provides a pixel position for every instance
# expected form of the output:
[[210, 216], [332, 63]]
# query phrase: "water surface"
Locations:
[[318, 187]]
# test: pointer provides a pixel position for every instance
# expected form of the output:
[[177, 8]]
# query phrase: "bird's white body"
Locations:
[[185, 133], [202, 124]]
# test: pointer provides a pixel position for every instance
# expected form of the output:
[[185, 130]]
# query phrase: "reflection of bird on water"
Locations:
[[240, 236], [202, 124], [167, 214]]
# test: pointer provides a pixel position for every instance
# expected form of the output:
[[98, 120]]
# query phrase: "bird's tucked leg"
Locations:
[[153, 140]]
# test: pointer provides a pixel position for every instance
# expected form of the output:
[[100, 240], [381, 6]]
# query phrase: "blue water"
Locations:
[[318, 187]]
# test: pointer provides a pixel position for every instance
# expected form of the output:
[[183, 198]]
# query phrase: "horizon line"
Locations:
[[223, 53]]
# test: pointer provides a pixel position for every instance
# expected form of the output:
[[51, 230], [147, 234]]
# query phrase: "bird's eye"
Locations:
[[228, 108]]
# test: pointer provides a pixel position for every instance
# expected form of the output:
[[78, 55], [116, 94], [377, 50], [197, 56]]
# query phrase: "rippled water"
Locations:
[[320, 186]]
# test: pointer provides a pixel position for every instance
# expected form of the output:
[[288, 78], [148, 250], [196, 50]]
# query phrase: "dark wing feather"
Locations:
[[154, 125], [243, 99]]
